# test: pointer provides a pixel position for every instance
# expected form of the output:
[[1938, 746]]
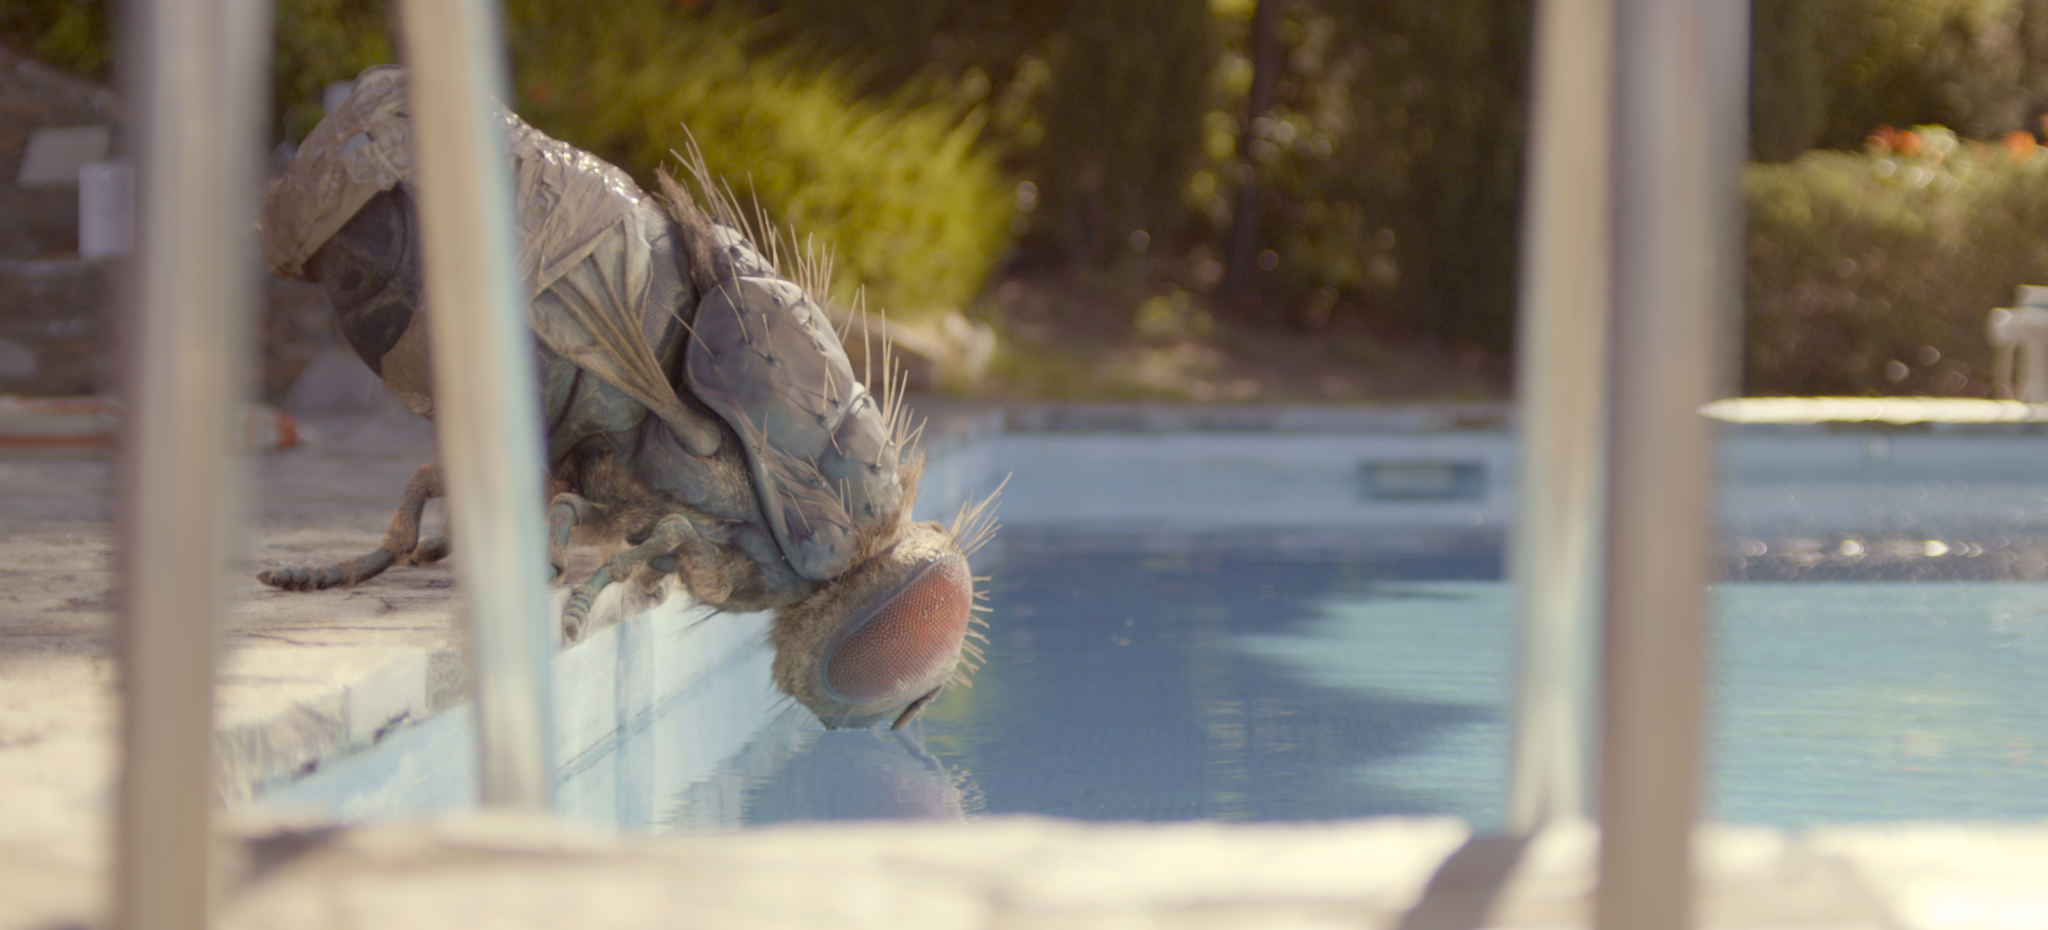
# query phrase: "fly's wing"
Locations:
[[362, 148], [585, 239], [608, 311], [588, 243], [824, 463], [567, 199]]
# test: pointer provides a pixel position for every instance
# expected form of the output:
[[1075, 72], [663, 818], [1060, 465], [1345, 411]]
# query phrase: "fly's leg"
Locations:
[[697, 561], [400, 541], [430, 550], [566, 512], [673, 538]]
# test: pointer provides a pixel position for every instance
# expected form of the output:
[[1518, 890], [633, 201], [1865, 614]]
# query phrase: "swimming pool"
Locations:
[[1232, 627]]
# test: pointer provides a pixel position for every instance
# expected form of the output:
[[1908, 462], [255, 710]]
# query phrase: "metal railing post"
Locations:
[[1677, 104], [1561, 405], [486, 403], [196, 77]]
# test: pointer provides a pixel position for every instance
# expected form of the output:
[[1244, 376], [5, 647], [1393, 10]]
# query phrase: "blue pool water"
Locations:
[[1257, 628], [1235, 686], [1247, 686]]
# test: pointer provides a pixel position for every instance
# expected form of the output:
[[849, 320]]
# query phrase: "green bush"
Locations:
[[916, 212], [1123, 124], [1872, 273], [1451, 171], [899, 45], [1825, 71], [318, 42], [75, 35], [1390, 164]]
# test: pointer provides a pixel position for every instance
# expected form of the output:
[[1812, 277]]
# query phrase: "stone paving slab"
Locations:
[[520, 871], [300, 675]]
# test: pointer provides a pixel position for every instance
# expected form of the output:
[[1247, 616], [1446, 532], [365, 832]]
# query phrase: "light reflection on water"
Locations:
[[803, 772]]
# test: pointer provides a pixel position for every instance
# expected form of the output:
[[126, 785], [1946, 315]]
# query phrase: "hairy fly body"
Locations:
[[697, 405]]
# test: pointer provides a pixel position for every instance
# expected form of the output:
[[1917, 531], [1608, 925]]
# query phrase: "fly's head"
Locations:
[[882, 640]]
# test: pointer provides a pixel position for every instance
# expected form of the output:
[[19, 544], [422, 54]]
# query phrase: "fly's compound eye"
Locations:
[[910, 639]]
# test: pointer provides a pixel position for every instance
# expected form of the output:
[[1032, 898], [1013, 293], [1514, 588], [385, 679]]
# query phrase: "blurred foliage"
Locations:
[[1391, 163], [888, 47], [1096, 108], [75, 35], [1441, 121], [318, 42], [914, 135], [1871, 272], [916, 212], [1825, 71], [1123, 125], [922, 137]]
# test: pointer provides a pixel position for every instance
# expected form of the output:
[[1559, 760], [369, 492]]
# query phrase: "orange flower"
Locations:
[[2018, 143], [1881, 140], [1908, 143]]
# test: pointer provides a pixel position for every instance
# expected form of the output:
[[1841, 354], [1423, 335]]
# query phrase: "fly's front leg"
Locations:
[[566, 512], [697, 561], [673, 538], [430, 550], [400, 541]]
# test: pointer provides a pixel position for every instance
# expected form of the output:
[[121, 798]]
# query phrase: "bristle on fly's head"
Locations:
[[976, 523]]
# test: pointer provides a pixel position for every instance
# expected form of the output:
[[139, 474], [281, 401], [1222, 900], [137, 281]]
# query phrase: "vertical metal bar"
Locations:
[[1671, 297], [486, 404], [196, 75], [1561, 395]]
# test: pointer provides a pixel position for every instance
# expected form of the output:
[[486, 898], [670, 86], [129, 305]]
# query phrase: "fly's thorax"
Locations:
[[876, 643]]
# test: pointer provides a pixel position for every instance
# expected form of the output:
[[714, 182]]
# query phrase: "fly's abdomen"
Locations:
[[370, 270]]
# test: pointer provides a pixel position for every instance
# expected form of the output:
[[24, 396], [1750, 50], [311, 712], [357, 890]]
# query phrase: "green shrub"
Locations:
[[1872, 273], [75, 35], [895, 46], [915, 211], [1123, 124], [1391, 163], [1450, 173], [318, 42], [1825, 71]]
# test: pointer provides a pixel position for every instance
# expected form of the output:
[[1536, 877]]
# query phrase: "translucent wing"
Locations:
[[767, 361]]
